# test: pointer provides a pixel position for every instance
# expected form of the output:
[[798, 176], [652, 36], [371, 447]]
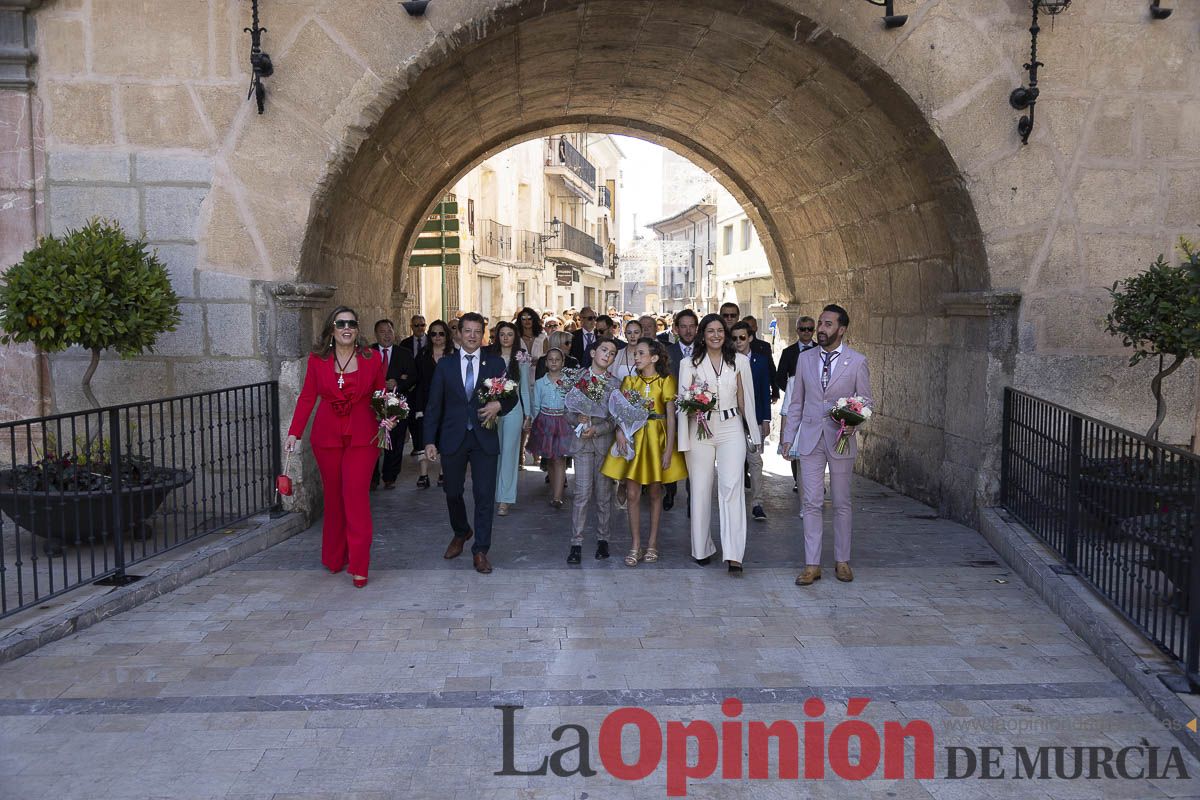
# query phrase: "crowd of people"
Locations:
[[649, 360]]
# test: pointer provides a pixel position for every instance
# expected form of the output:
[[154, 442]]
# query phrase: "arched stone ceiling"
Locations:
[[836, 166]]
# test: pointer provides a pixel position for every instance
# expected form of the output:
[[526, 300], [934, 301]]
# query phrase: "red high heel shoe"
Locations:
[[359, 583]]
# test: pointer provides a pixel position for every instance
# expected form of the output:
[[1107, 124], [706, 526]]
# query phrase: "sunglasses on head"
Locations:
[[805, 330], [345, 323]]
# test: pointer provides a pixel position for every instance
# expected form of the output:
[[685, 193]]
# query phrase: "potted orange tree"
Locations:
[[96, 288]]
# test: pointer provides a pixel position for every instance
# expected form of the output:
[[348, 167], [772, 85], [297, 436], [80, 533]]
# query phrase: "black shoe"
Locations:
[[735, 568], [602, 550], [668, 501], [441, 480], [795, 488], [703, 561], [758, 513], [423, 482], [576, 554], [746, 482]]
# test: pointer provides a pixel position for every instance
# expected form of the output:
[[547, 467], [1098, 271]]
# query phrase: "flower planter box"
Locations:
[[68, 518]]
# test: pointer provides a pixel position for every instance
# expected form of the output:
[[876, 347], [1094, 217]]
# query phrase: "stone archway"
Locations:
[[856, 198]]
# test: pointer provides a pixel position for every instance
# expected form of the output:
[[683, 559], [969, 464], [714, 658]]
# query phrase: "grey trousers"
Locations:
[[589, 483]]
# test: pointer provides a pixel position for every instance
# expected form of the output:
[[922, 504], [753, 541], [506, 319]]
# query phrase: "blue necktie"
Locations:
[[469, 385]]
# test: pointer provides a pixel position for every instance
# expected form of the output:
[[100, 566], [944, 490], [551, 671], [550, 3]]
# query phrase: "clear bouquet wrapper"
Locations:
[[630, 411], [387, 405], [586, 395]]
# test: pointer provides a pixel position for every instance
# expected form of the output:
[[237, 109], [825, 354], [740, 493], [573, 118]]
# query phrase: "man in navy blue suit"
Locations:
[[454, 427]]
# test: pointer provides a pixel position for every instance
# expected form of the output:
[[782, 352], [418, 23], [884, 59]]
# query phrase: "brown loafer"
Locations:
[[809, 575], [842, 571], [455, 548], [481, 563]]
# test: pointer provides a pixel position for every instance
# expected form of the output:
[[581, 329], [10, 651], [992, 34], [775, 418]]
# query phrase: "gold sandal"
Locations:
[[633, 558], [651, 555]]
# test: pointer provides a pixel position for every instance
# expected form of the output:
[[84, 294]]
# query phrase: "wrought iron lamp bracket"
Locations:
[[260, 62]]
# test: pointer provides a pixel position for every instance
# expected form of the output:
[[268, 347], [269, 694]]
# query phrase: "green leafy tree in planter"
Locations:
[[1157, 313], [93, 287]]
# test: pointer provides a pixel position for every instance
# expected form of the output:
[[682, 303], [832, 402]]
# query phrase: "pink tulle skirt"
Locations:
[[550, 437]]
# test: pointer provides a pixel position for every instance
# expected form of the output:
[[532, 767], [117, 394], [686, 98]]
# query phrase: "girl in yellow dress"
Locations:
[[655, 460]]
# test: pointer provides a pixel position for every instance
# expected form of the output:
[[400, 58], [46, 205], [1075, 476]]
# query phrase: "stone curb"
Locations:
[[1024, 553], [168, 578]]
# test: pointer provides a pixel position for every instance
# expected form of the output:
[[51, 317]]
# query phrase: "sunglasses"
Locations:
[[729, 316], [437, 333], [805, 330], [741, 338], [345, 323]]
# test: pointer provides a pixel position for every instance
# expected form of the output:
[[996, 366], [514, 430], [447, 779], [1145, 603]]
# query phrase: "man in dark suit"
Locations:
[[464, 432], [584, 338], [787, 368], [400, 371], [763, 349], [414, 343], [686, 326]]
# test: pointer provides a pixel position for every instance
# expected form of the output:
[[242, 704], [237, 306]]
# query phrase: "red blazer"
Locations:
[[342, 411]]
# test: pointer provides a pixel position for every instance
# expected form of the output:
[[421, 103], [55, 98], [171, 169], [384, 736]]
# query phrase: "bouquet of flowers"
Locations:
[[586, 394], [849, 413], [630, 409], [498, 389], [387, 405], [523, 357], [697, 400]]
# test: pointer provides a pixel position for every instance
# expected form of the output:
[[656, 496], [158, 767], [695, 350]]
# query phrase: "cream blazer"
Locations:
[[726, 387]]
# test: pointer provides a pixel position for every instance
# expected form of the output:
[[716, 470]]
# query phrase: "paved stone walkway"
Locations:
[[273, 679]]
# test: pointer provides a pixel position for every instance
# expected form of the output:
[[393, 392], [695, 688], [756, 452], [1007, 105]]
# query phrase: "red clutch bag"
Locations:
[[283, 484]]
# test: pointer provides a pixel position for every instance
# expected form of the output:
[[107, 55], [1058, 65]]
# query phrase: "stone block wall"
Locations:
[[160, 195]]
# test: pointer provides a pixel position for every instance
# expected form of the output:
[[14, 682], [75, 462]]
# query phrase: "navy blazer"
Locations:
[[447, 406]]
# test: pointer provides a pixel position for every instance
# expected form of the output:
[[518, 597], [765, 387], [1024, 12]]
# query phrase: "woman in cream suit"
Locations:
[[727, 374]]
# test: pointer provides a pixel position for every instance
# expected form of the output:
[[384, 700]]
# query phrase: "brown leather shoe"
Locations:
[[481, 563], [842, 571], [454, 550], [809, 575]]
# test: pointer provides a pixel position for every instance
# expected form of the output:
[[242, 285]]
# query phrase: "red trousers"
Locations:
[[346, 525]]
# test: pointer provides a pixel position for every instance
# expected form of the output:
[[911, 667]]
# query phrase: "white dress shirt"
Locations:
[[475, 362]]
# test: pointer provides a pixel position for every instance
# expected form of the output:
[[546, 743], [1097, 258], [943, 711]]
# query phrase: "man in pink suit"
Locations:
[[823, 375]]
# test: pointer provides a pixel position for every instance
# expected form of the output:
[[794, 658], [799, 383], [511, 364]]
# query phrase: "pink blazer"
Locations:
[[809, 406], [341, 412]]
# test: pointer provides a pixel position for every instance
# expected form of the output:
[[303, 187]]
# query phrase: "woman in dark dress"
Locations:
[[438, 344]]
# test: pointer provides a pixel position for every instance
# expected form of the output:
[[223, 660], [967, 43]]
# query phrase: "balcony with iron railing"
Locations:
[[564, 161], [493, 240], [571, 245], [528, 248], [605, 199]]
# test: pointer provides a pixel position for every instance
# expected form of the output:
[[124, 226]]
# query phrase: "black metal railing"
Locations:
[[563, 153], [604, 197], [86, 495], [575, 241], [1122, 510], [493, 240], [528, 247]]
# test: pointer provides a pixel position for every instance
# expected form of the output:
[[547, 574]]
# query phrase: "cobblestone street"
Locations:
[[273, 679]]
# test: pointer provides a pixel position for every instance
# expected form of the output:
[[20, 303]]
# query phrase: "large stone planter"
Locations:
[[66, 519]]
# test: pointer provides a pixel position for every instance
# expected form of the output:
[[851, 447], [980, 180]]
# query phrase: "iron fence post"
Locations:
[[117, 524], [1192, 652], [276, 455], [1074, 461], [1005, 445]]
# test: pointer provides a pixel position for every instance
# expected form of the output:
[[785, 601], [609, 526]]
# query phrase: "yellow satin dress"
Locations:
[[651, 441]]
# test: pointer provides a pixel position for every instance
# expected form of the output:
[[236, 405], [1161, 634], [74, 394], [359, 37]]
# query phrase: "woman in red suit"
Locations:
[[343, 371]]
